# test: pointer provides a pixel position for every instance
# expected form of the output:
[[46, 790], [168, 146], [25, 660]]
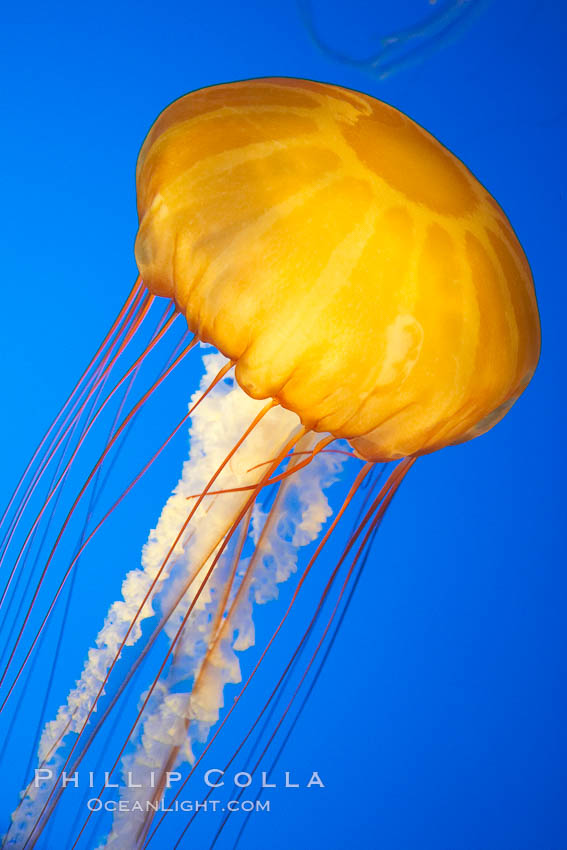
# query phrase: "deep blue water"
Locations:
[[438, 721]]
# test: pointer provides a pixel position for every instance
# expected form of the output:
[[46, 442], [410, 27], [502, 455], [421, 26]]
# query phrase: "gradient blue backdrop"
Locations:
[[439, 721]]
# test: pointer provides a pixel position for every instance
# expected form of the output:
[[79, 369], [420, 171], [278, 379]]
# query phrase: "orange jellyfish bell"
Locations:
[[351, 266]]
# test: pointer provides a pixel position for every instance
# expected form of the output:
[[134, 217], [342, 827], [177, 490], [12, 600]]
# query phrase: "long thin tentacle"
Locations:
[[72, 394], [350, 495], [172, 548], [68, 465], [249, 502], [110, 443], [378, 508]]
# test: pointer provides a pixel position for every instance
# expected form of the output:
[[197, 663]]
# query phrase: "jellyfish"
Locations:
[[360, 300]]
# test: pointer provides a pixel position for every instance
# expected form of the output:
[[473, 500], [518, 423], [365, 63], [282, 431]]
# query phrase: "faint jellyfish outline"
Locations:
[[404, 48]]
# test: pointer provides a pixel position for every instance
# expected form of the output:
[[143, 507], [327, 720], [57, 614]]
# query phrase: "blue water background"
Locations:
[[439, 720]]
